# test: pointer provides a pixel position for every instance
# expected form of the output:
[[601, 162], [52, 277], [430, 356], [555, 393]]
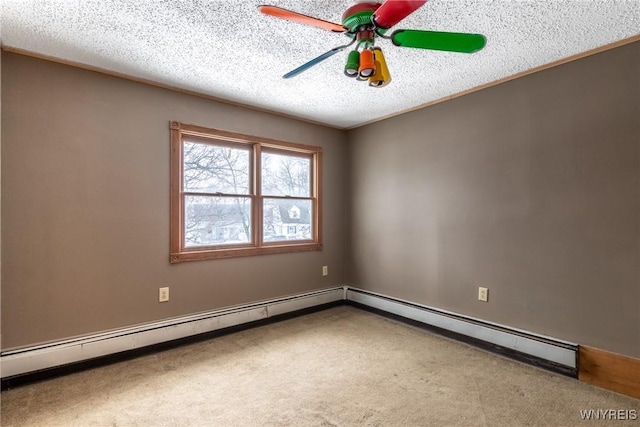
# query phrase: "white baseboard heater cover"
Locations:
[[550, 349], [37, 358]]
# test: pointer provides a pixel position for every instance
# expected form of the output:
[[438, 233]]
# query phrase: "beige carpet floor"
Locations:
[[338, 367]]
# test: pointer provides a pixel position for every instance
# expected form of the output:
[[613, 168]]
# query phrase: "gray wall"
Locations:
[[85, 206], [530, 188]]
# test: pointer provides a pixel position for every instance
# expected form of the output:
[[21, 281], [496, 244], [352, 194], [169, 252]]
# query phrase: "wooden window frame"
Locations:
[[180, 253]]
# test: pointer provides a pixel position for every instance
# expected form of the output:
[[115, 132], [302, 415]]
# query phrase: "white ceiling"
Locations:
[[228, 50]]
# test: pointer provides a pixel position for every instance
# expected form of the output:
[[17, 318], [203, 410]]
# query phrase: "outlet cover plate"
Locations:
[[163, 294], [483, 294]]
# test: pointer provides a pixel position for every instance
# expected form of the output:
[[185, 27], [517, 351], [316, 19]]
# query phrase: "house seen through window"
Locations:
[[238, 195]]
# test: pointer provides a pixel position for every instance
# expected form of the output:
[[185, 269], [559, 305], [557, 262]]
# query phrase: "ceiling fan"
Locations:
[[364, 22]]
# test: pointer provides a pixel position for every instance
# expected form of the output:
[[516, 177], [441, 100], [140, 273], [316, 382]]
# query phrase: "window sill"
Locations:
[[271, 248]]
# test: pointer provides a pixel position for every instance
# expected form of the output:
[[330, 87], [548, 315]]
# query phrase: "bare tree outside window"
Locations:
[[285, 175]]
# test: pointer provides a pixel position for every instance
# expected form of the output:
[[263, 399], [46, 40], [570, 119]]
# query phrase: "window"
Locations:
[[238, 195]]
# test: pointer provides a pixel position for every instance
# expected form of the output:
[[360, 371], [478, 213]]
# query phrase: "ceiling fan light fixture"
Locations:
[[367, 65], [382, 76], [353, 64]]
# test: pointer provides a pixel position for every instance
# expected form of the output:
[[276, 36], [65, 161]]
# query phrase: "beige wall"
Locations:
[[530, 188], [85, 206]]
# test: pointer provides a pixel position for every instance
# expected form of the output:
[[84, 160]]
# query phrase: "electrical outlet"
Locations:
[[325, 270], [483, 294], [163, 294]]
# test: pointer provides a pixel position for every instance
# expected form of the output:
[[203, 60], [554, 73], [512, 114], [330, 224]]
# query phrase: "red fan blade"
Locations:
[[279, 12], [393, 11]]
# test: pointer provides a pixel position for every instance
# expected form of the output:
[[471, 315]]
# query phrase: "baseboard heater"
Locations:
[[546, 352], [39, 359], [24, 365]]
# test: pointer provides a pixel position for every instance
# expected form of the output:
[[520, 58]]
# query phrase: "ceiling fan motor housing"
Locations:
[[358, 15]]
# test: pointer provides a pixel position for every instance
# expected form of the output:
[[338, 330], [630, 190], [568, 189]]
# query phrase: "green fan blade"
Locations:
[[437, 40]]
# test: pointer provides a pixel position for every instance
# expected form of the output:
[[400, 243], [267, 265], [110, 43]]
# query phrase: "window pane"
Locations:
[[217, 220], [215, 169], [287, 219], [285, 175]]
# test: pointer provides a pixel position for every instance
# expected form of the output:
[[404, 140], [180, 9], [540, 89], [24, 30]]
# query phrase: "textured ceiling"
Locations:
[[228, 50]]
